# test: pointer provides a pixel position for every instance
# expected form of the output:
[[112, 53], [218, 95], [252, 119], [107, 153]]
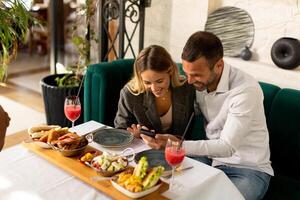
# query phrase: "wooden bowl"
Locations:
[[73, 152]]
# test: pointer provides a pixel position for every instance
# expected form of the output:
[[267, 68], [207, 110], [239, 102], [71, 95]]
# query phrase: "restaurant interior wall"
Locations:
[[171, 22]]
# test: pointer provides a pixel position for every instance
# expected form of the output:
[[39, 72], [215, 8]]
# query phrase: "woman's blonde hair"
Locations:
[[157, 59]]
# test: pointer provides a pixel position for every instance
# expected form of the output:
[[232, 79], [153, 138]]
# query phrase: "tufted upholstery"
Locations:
[[102, 85], [282, 108], [284, 128]]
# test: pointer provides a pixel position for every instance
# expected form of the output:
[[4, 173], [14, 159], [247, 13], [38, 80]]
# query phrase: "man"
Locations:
[[4, 123], [232, 105]]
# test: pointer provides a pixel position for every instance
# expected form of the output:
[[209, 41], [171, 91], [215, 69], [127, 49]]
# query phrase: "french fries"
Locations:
[[54, 134]]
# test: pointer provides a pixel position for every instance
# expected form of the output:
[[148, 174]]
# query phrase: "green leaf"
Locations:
[[68, 80], [14, 23]]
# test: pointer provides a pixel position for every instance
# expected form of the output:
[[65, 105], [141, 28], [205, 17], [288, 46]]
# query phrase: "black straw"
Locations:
[[186, 128], [80, 86]]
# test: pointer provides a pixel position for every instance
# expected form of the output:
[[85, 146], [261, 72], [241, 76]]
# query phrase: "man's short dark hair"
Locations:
[[204, 44]]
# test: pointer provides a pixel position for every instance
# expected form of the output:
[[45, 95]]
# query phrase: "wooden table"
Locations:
[[84, 173], [26, 169]]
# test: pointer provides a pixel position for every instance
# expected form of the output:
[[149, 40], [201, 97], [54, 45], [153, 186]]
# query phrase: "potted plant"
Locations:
[[14, 23], [57, 86]]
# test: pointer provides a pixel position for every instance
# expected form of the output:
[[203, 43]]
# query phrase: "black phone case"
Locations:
[[148, 133]]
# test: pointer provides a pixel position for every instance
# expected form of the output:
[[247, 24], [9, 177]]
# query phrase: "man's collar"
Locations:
[[223, 85]]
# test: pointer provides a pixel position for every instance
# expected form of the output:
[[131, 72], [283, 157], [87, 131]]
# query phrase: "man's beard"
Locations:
[[200, 86]]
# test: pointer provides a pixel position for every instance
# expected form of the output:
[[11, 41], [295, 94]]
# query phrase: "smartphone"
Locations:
[[148, 132]]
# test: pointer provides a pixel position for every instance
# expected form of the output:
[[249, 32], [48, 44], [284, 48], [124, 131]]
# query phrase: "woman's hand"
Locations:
[[135, 130], [160, 140]]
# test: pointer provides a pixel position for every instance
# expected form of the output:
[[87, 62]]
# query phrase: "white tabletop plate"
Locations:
[[135, 194], [42, 144]]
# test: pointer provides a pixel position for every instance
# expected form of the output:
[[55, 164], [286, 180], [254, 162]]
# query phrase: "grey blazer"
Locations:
[[141, 109]]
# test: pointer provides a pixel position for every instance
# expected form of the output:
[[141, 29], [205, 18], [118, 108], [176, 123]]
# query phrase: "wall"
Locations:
[[273, 19], [170, 23]]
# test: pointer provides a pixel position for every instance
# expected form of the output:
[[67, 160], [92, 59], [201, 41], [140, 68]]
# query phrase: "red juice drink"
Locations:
[[174, 156], [72, 112]]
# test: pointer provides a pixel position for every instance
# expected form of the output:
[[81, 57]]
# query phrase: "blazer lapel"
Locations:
[[150, 111], [179, 111]]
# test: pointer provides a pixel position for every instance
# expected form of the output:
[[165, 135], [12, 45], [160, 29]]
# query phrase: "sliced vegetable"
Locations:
[[152, 177], [141, 168]]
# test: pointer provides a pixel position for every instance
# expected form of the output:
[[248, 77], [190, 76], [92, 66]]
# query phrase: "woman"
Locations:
[[156, 97]]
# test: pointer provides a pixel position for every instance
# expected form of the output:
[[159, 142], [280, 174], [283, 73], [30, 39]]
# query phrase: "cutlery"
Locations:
[[168, 174]]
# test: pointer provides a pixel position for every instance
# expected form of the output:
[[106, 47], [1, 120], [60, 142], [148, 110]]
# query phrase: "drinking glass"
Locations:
[[174, 154], [72, 108]]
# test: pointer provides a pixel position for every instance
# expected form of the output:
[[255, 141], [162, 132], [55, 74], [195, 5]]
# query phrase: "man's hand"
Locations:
[[160, 140]]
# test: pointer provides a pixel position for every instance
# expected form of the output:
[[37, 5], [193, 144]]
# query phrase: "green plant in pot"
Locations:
[[82, 44], [56, 87], [14, 22]]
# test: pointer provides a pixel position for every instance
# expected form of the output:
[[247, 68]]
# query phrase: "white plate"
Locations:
[[43, 144], [135, 194], [38, 143]]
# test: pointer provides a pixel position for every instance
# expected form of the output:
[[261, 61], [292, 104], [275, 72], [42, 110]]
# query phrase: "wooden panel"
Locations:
[[84, 173]]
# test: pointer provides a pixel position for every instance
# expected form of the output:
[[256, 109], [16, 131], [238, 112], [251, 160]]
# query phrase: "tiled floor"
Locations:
[[30, 81], [25, 62], [27, 70]]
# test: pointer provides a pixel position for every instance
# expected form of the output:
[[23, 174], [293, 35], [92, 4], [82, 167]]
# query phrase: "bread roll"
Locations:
[[38, 135], [36, 132]]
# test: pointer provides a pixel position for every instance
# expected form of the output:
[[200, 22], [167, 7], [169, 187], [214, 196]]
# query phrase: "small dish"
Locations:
[[135, 194], [73, 152], [109, 174], [87, 157], [77, 151], [113, 164]]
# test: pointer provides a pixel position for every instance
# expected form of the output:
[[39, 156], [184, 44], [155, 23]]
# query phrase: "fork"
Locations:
[[168, 174]]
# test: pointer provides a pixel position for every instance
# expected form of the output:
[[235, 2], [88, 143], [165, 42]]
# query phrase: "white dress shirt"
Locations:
[[235, 123]]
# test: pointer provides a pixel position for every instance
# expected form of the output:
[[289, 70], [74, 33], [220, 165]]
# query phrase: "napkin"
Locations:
[[87, 127]]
